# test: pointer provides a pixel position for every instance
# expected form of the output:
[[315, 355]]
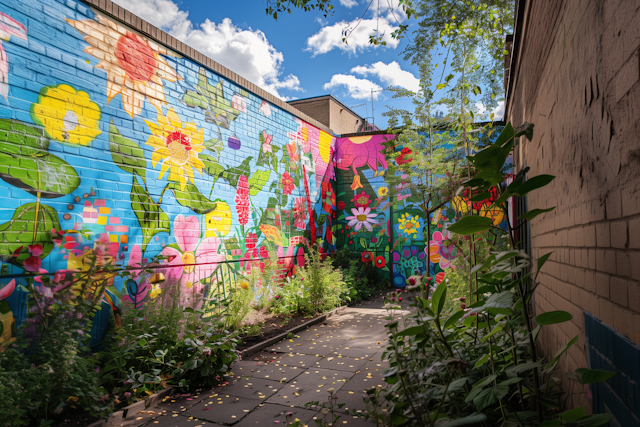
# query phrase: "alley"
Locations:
[[344, 354]]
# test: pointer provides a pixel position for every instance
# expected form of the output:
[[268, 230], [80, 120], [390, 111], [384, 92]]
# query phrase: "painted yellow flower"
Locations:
[[272, 233], [219, 220], [155, 291], [134, 65], [244, 285], [67, 115], [382, 191], [409, 225], [177, 146]]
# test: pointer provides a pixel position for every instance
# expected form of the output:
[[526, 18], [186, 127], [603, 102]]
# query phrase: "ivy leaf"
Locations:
[[150, 215], [125, 153]]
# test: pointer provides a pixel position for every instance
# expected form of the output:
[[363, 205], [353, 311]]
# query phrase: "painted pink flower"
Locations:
[[265, 109], [8, 289], [239, 103], [361, 217], [300, 213], [33, 263], [253, 259], [36, 250], [59, 276], [242, 200], [266, 142], [196, 259], [287, 184]]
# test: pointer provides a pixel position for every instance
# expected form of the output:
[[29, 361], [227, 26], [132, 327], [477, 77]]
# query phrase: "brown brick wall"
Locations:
[[576, 76], [343, 121], [316, 108]]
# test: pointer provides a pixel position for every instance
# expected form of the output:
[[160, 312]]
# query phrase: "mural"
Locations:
[[391, 237], [117, 151]]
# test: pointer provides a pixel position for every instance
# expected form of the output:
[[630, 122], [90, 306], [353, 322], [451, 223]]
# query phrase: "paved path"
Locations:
[[344, 353]]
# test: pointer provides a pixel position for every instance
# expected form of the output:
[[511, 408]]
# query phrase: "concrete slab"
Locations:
[[267, 414], [312, 385], [369, 376], [248, 387], [227, 410], [173, 420], [339, 363]]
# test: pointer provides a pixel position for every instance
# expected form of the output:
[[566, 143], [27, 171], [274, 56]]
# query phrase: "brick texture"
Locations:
[[576, 76]]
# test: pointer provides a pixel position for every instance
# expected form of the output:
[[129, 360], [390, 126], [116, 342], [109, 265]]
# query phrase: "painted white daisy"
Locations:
[[133, 64], [360, 217]]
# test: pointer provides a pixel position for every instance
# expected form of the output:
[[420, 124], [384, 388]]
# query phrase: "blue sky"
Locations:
[[301, 55]]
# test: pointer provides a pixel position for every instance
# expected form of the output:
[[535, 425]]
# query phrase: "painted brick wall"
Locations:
[[577, 78], [116, 146]]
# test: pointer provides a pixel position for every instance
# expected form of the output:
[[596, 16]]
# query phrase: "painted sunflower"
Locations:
[[409, 225], [176, 145], [134, 65]]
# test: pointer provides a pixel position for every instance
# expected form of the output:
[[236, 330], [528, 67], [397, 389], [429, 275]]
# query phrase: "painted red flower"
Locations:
[[328, 197], [242, 200], [361, 200], [367, 257], [33, 263], [340, 205], [287, 183], [251, 240], [380, 261]]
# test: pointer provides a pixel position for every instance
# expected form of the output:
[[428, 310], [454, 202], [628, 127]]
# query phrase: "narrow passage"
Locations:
[[344, 353]]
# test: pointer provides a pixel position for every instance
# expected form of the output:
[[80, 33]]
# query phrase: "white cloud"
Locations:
[[349, 3], [330, 37], [390, 74], [247, 52], [498, 112], [356, 88]]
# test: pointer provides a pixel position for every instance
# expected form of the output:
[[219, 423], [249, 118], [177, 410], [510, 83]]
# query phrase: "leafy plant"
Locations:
[[479, 364]]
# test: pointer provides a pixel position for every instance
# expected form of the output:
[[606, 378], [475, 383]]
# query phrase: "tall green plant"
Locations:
[[480, 365]]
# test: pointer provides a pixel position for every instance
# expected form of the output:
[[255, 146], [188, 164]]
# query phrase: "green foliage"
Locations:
[[479, 363], [364, 279], [49, 368], [325, 289]]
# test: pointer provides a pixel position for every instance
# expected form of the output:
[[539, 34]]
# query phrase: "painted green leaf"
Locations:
[[470, 225], [258, 180], [214, 145], [192, 198], [126, 154], [26, 163], [233, 174], [553, 317], [211, 167], [150, 215], [30, 223]]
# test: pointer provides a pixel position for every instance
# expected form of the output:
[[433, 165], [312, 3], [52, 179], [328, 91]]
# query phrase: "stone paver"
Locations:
[[343, 353]]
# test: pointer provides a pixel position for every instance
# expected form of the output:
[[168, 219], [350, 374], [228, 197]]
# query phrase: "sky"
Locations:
[[300, 55]]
